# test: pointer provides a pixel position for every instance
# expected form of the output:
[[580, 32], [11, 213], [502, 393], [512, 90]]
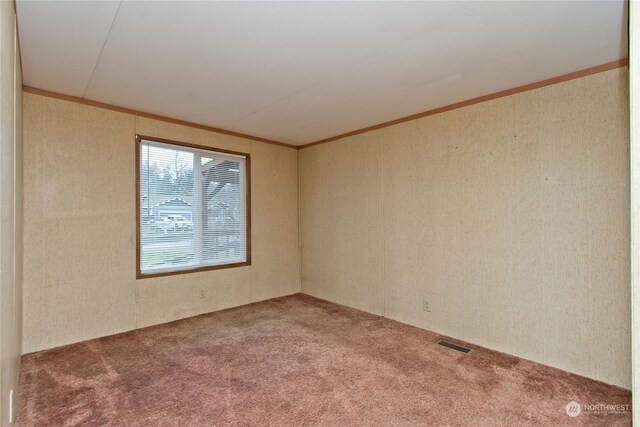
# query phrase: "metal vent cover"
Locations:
[[455, 346]]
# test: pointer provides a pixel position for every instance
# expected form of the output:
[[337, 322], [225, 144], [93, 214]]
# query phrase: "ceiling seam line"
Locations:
[[95, 67], [271, 104]]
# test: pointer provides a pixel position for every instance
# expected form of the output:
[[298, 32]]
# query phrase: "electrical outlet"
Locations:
[[426, 305], [203, 293]]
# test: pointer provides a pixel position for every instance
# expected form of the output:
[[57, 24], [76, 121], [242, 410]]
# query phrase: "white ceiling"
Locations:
[[298, 72]]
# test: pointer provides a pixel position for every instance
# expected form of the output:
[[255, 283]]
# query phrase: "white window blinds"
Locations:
[[192, 208]]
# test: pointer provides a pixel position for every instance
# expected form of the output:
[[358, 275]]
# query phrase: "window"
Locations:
[[193, 208]]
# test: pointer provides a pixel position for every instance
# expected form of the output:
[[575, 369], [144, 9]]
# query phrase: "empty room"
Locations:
[[319, 213]]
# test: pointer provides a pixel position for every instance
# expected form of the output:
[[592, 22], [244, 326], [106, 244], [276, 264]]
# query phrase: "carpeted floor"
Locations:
[[298, 361]]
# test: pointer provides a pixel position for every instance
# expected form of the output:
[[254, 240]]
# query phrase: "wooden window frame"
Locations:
[[247, 156]]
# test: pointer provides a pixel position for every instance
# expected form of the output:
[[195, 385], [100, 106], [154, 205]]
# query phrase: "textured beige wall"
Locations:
[[511, 217], [634, 78], [80, 227], [341, 221], [10, 211]]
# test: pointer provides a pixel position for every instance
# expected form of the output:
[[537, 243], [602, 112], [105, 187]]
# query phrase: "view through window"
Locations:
[[192, 207]]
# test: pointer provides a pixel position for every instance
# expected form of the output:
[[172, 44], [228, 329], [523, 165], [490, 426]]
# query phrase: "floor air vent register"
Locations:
[[455, 347]]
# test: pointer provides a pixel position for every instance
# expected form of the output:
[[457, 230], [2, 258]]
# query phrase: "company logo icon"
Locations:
[[573, 409]]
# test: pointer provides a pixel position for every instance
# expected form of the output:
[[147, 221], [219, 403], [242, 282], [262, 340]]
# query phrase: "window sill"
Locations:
[[140, 275]]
